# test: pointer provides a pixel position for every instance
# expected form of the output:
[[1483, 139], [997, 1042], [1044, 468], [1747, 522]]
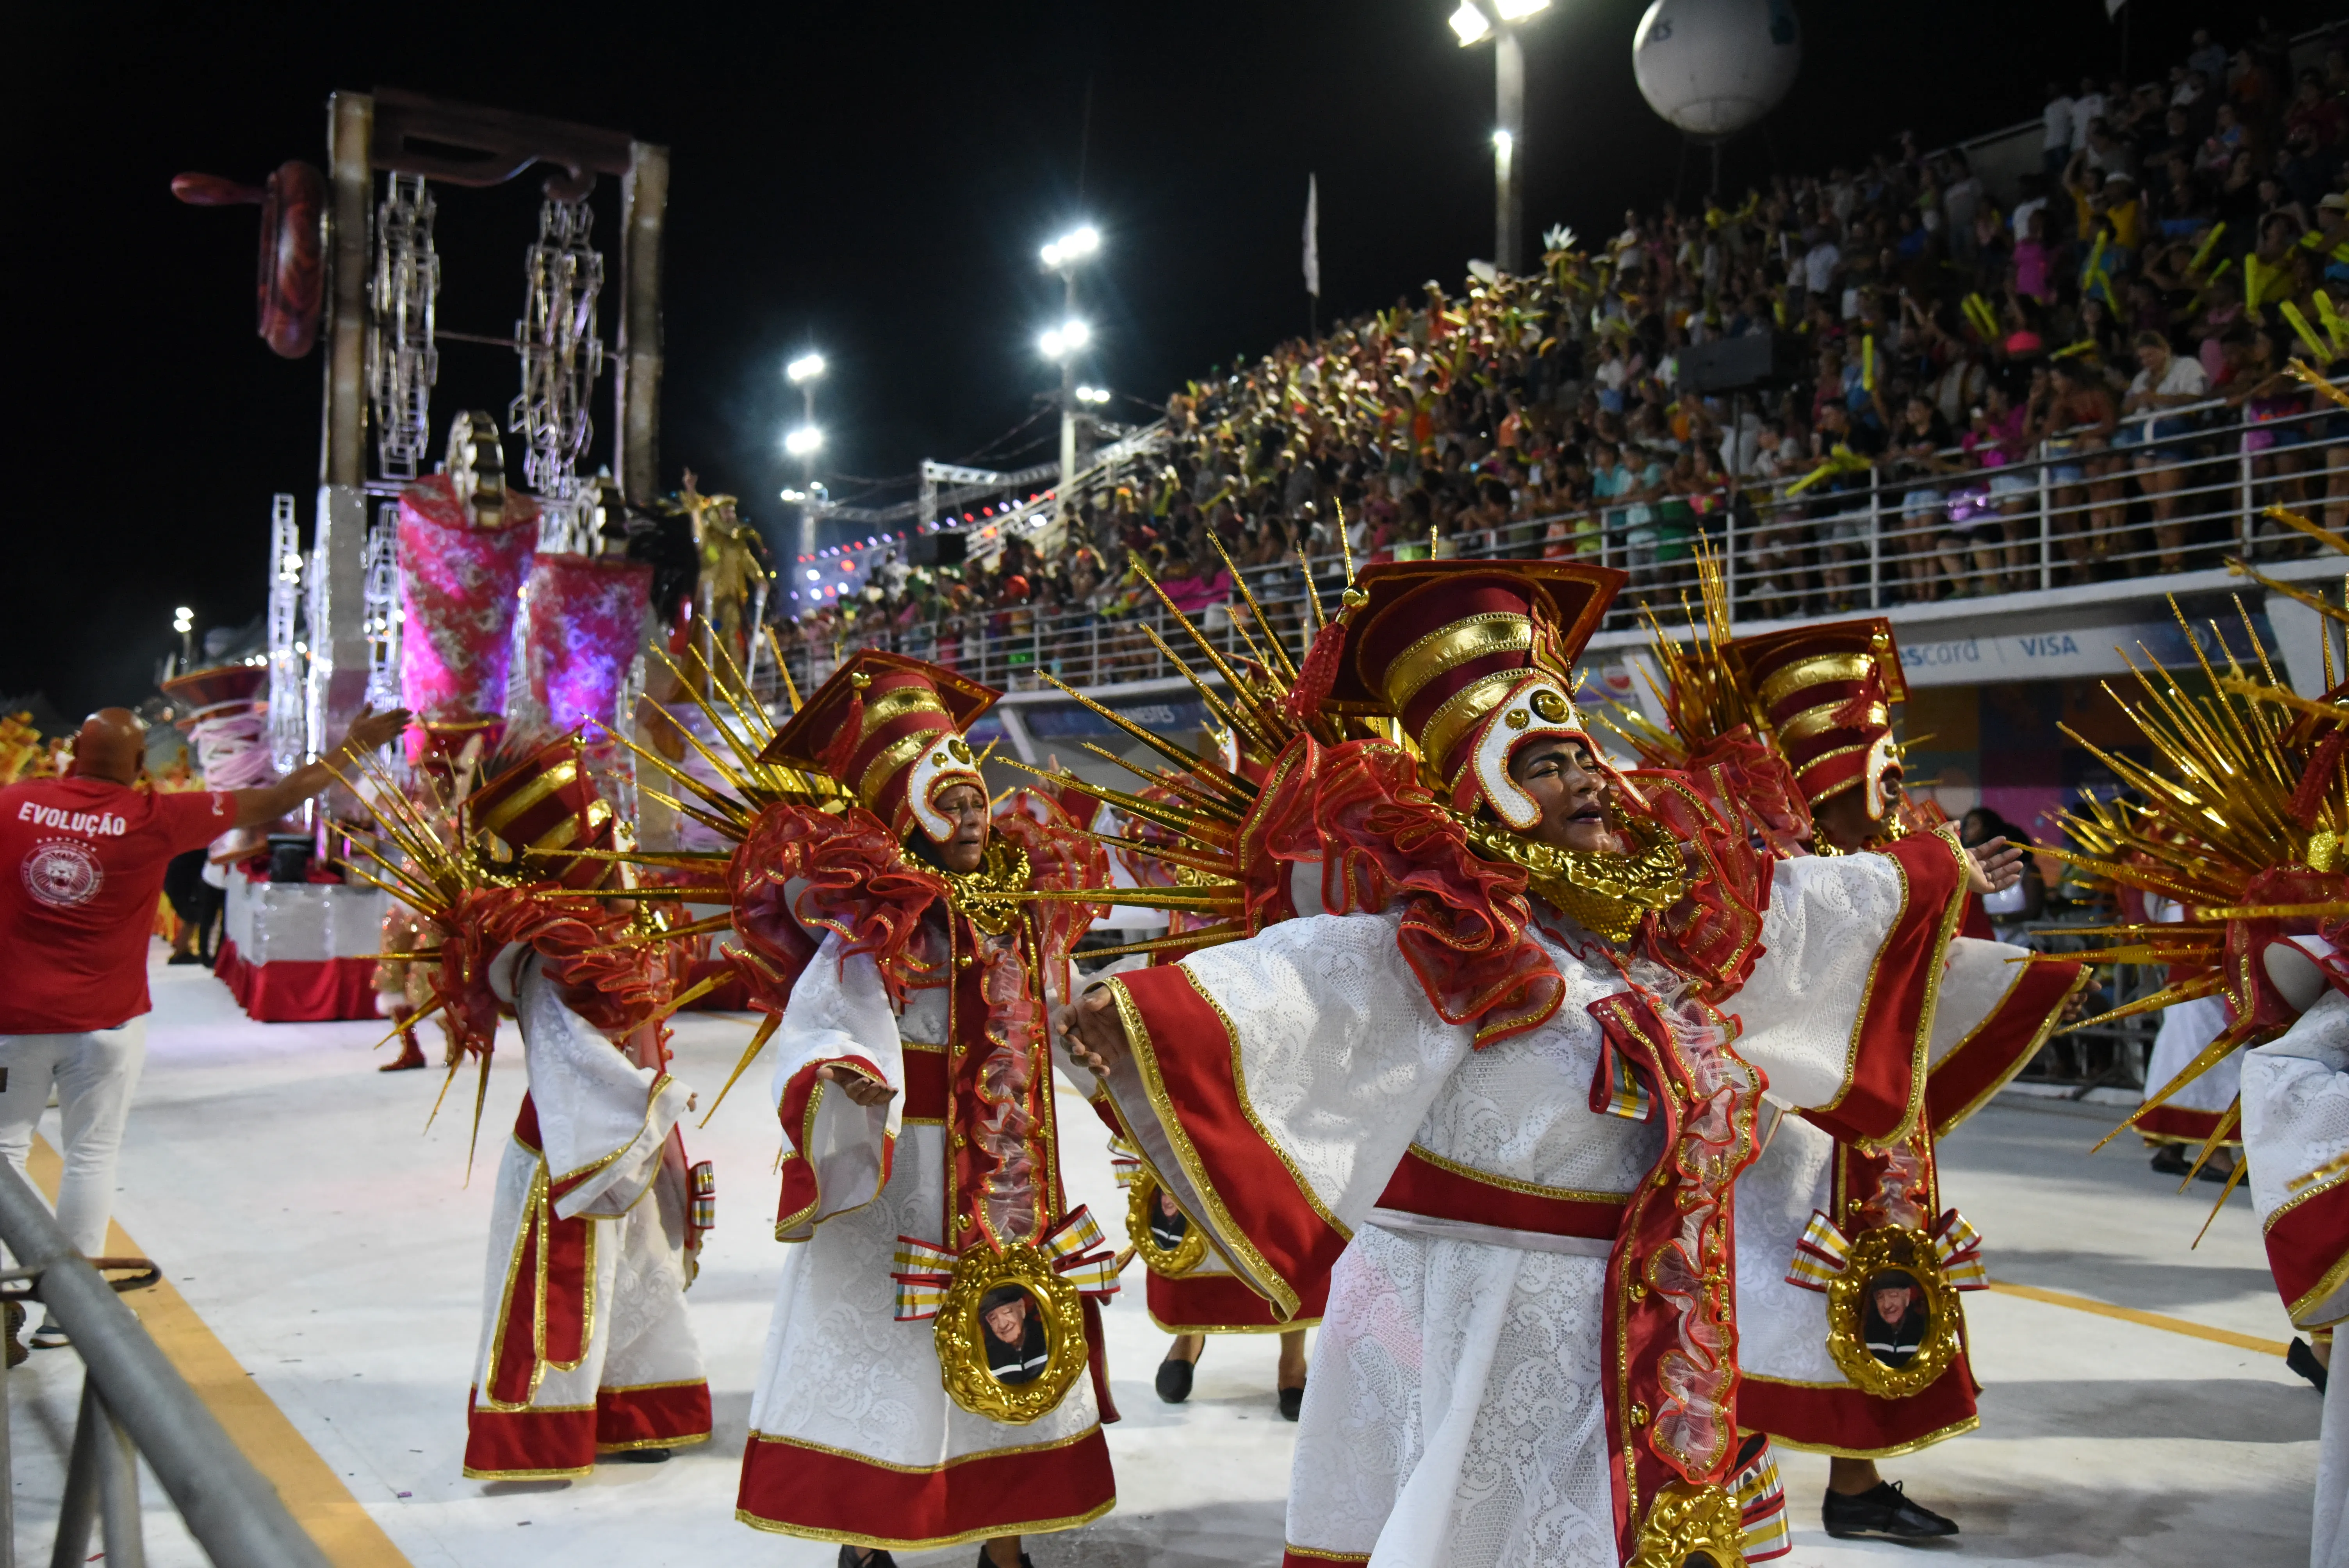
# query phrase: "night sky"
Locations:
[[873, 180]]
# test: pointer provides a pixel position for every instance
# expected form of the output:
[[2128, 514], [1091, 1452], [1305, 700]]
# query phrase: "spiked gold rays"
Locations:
[[2226, 800], [1700, 692], [1200, 808]]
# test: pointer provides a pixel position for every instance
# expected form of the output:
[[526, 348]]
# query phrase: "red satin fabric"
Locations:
[[1383, 840]]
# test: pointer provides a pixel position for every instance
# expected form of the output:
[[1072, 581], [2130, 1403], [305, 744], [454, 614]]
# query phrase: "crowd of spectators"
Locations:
[[1964, 373]]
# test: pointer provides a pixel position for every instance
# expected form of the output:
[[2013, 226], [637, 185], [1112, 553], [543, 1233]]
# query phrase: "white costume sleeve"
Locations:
[[1828, 921], [602, 1120], [838, 1013], [2296, 1138], [1274, 1083]]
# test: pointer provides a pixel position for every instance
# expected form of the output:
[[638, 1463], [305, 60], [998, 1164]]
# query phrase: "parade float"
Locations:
[[502, 609]]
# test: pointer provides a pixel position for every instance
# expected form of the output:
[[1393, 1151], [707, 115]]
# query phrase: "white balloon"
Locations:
[[1714, 66]]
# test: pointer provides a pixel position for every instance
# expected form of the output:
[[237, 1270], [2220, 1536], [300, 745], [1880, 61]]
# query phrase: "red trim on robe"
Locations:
[[2001, 1045], [1223, 1304], [512, 1372], [1420, 1186], [2307, 1243], [799, 1192], [804, 1490], [1842, 1419], [1892, 1044], [2176, 1124], [1194, 1055], [651, 1417], [520, 1444]]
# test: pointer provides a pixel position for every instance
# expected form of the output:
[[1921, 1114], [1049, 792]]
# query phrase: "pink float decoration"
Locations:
[[457, 584], [586, 621]]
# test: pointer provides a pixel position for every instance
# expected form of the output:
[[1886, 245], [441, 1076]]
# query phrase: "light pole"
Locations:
[[806, 441], [1475, 21], [1063, 342]]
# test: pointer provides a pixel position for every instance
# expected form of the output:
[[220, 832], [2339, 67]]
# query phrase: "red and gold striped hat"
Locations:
[[1826, 693], [1475, 658], [543, 805], [889, 730]]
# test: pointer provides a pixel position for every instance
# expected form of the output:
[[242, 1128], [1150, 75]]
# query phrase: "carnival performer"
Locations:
[[587, 1346], [1190, 1291], [2240, 822], [934, 1373], [1529, 1349], [1815, 1206]]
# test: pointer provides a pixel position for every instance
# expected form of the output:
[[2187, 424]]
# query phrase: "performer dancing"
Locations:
[[1797, 729], [587, 1346], [1529, 1349], [1190, 1291], [933, 1376]]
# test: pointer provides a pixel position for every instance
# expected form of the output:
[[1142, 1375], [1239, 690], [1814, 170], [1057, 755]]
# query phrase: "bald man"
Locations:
[[81, 865]]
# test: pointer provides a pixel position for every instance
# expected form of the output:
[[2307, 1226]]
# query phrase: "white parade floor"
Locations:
[[329, 1242]]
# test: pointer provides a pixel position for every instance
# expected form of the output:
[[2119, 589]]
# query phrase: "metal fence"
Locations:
[[2180, 491], [133, 1404]]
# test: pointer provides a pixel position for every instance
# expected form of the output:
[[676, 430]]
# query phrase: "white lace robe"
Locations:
[[841, 1373], [2296, 1140], [1453, 1417], [595, 1109]]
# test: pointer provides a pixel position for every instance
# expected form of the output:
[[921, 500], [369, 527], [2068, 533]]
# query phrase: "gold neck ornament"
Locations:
[[988, 897], [1606, 894]]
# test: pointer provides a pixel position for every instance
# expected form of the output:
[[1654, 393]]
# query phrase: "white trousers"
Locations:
[[96, 1074]]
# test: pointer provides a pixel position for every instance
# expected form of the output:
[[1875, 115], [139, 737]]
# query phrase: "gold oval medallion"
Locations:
[[1163, 1235], [1011, 1335], [1893, 1322]]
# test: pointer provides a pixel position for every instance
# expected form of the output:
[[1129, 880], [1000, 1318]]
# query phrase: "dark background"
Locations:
[[873, 180]]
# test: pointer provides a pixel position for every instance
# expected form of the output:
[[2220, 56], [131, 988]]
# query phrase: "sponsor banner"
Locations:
[[2057, 651]]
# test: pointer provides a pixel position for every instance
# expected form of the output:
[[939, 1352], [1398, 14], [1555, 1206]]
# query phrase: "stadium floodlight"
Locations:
[[806, 368], [1073, 246], [1503, 143], [1059, 342], [804, 441], [1092, 393], [184, 620], [1470, 23]]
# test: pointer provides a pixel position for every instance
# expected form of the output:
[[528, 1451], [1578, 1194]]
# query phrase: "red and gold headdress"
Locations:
[[545, 814], [1826, 695], [1475, 658], [889, 730]]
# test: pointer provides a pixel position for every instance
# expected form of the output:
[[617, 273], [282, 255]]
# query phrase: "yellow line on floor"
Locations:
[[309, 1487], [2147, 1319]]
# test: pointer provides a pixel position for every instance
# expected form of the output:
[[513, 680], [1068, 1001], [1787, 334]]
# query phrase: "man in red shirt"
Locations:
[[81, 865]]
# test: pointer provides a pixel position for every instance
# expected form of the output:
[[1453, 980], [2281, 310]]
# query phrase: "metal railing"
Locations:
[[2145, 500], [133, 1404]]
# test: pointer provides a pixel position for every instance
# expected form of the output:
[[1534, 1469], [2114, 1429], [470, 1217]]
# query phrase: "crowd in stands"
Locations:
[[1991, 395]]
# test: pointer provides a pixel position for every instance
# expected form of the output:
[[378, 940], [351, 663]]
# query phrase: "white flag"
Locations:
[[1312, 237]]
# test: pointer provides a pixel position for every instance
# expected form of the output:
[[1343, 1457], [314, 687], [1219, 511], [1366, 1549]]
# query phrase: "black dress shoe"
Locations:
[[1882, 1510], [642, 1456], [858, 1557], [2301, 1359], [987, 1562], [1175, 1380], [2170, 1160], [1291, 1401]]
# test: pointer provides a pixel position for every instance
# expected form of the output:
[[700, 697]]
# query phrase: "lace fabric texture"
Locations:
[[1782, 1329], [2296, 1103], [841, 1371], [1455, 1414], [1827, 920], [2186, 1029], [1520, 1107], [593, 1104]]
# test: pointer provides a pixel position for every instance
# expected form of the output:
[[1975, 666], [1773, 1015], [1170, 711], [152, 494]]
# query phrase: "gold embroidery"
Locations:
[[1816, 670], [1450, 646], [897, 704], [1606, 894], [1828, 716], [894, 755], [1462, 711]]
